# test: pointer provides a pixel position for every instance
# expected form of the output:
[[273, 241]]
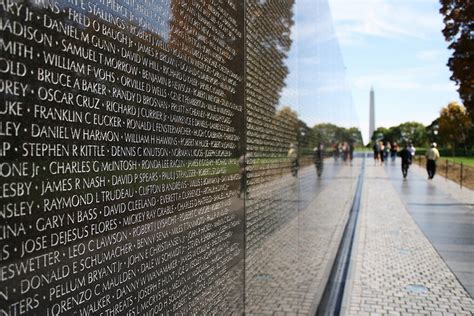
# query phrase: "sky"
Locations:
[[342, 50]]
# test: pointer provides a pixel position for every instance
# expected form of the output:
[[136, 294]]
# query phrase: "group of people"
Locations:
[[432, 155], [382, 151], [344, 150], [385, 150], [318, 159]]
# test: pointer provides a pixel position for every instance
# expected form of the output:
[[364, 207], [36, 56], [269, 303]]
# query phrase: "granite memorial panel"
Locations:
[[151, 162], [121, 132]]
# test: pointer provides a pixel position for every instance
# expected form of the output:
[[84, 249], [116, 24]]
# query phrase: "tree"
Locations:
[[409, 131], [305, 138], [356, 136], [432, 131], [285, 125], [330, 134], [413, 131], [381, 133], [454, 125], [326, 133], [459, 31]]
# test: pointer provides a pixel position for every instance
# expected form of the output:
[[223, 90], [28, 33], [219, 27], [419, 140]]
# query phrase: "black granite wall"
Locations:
[[143, 154]]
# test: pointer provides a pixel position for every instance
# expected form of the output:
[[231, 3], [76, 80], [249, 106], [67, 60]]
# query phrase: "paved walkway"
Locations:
[[443, 212], [395, 269]]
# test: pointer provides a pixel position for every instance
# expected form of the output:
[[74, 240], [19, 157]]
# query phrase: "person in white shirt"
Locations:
[[412, 149], [432, 155]]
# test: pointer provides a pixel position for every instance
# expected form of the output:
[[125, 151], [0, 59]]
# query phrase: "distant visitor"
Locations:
[[431, 156]]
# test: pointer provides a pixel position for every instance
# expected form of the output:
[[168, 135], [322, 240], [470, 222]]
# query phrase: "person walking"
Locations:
[[293, 156], [406, 157], [387, 150], [382, 153], [335, 152], [376, 149], [351, 152], [394, 151], [412, 149], [318, 159], [243, 175], [432, 155], [345, 152]]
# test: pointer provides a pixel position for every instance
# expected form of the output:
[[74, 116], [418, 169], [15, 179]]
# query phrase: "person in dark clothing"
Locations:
[[345, 152], [243, 175], [382, 153], [335, 152], [406, 157], [351, 152], [376, 149], [318, 159], [393, 151]]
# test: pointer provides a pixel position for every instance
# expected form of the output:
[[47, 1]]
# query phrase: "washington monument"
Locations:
[[372, 114]]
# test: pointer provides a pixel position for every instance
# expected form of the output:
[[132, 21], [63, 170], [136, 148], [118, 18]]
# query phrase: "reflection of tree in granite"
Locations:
[[268, 26], [306, 142], [269, 132], [209, 46], [214, 56], [272, 193], [330, 134]]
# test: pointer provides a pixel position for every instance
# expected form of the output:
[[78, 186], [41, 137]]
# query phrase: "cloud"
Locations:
[[291, 93], [421, 78], [432, 55], [310, 60], [315, 23], [356, 20]]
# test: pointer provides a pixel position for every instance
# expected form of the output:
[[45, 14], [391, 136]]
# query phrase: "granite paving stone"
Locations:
[[395, 268]]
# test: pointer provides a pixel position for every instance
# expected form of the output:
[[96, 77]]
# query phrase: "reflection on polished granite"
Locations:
[[289, 270], [147, 158]]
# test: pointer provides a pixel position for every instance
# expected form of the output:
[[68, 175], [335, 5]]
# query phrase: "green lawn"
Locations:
[[468, 161]]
